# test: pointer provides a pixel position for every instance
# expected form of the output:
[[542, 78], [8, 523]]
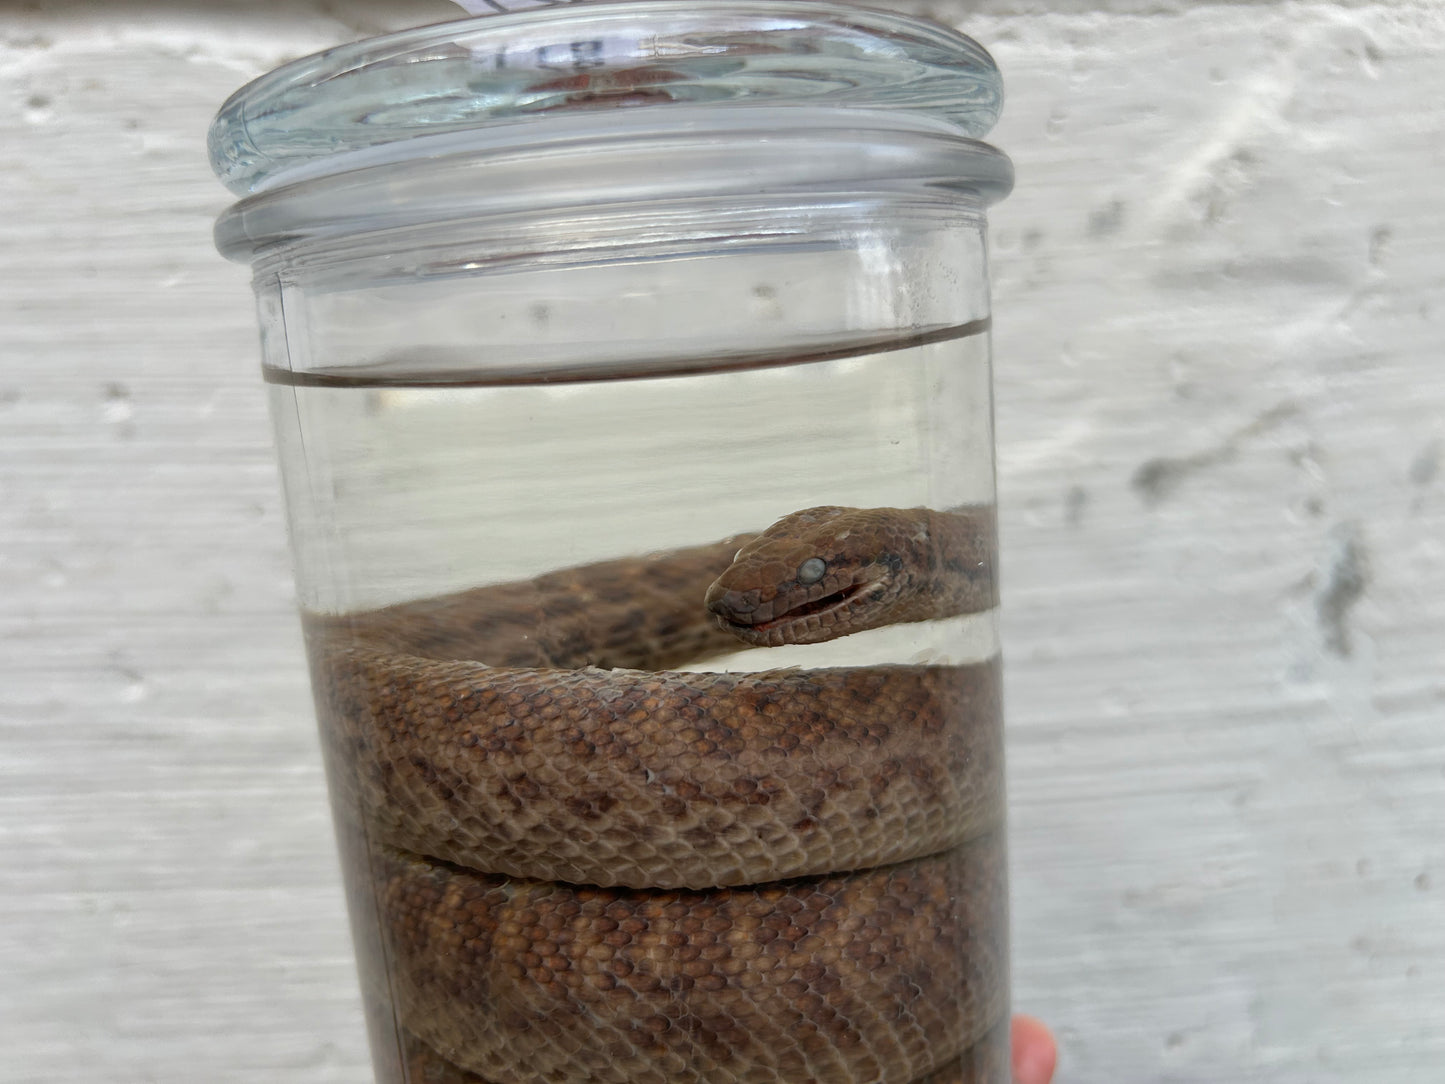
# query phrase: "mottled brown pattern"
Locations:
[[828, 979], [640, 875], [986, 1062]]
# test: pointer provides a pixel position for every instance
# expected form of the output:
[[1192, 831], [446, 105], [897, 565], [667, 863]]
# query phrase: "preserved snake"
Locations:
[[581, 864]]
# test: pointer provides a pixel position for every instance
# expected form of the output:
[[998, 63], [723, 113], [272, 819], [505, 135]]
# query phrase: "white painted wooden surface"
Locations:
[[1222, 424]]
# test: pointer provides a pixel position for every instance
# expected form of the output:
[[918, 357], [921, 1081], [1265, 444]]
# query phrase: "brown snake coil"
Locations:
[[576, 864]]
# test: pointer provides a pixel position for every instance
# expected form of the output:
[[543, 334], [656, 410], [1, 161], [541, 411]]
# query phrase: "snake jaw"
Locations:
[[823, 614]]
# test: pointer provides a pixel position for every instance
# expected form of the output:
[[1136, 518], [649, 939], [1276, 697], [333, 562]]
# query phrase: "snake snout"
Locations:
[[733, 606]]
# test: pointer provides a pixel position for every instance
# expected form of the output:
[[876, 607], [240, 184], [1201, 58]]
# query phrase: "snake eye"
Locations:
[[811, 570]]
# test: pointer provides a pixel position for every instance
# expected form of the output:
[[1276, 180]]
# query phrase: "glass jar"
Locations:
[[630, 372]]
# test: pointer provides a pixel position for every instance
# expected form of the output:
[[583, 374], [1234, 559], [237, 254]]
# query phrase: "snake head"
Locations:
[[816, 575]]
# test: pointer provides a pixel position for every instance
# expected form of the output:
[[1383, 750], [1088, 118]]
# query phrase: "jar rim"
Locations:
[[477, 81], [734, 157]]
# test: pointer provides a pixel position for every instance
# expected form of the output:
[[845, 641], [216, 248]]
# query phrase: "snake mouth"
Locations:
[[827, 604]]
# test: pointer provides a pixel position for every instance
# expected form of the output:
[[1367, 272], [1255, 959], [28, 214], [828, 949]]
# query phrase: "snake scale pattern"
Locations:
[[570, 862]]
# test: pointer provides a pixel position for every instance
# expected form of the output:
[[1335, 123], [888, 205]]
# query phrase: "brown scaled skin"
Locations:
[[986, 1062], [828, 572], [572, 863]]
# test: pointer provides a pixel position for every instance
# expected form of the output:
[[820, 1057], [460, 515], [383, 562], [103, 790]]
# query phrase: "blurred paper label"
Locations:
[[500, 7], [543, 51]]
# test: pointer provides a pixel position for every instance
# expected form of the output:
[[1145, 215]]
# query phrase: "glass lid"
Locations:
[[368, 102]]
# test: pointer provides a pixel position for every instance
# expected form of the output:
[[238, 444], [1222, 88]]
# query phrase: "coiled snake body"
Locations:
[[572, 863]]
